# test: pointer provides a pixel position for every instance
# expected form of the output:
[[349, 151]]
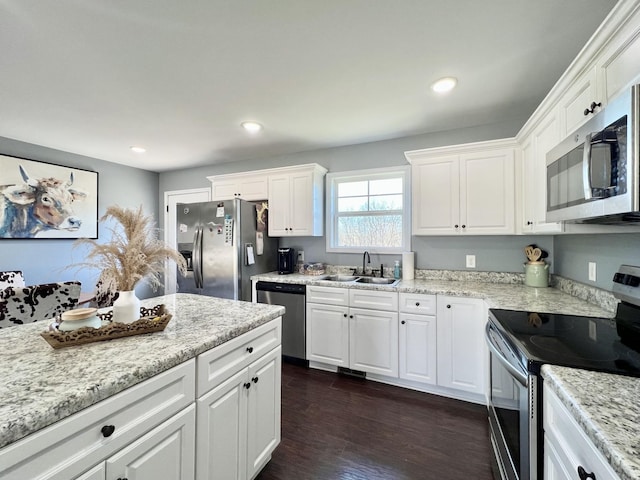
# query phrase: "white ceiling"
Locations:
[[178, 77]]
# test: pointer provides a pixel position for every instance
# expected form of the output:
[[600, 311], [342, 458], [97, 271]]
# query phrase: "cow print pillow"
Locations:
[[20, 305]]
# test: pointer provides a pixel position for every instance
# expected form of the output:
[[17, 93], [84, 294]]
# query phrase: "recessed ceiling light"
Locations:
[[252, 127], [444, 85], [138, 149]]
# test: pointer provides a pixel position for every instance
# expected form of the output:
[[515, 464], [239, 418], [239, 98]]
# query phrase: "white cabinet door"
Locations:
[[246, 186], [417, 349], [279, 205], [222, 427], [264, 410], [327, 334], [462, 354], [373, 341], [167, 451], [487, 192], [582, 94], [545, 137], [301, 212], [436, 196]]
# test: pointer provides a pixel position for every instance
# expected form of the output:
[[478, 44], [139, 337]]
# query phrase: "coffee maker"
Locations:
[[286, 261]]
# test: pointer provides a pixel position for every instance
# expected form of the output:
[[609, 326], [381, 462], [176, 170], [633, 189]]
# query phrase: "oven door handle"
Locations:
[[517, 374]]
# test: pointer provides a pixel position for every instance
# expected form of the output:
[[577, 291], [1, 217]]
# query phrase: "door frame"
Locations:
[[171, 198]]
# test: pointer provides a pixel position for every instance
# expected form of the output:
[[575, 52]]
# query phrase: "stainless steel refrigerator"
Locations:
[[224, 243]]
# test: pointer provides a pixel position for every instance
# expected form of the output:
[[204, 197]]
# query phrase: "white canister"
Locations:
[[78, 318]]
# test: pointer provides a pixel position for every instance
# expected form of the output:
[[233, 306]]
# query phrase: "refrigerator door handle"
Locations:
[[197, 257]]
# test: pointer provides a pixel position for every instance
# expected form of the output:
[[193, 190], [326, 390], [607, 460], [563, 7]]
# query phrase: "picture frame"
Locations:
[[41, 200]]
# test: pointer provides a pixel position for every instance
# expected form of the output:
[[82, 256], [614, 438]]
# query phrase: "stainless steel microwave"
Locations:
[[593, 176]]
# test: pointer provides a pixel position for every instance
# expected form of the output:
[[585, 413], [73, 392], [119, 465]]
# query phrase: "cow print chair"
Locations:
[[11, 278], [20, 305]]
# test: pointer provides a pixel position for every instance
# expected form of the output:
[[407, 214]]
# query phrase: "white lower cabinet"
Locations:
[[417, 335], [361, 338], [239, 415], [99, 472], [168, 451], [462, 351], [567, 449]]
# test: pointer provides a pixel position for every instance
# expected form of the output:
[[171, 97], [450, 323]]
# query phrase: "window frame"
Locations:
[[335, 178]]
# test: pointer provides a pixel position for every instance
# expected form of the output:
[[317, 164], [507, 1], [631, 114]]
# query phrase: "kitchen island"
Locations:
[[43, 387], [604, 406]]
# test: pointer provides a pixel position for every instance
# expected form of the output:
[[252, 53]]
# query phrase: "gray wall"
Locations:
[[572, 253], [503, 254], [44, 261]]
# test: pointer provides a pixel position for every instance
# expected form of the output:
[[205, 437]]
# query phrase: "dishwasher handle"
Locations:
[[293, 288]]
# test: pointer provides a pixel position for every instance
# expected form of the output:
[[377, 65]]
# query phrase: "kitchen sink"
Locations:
[[340, 278], [377, 280]]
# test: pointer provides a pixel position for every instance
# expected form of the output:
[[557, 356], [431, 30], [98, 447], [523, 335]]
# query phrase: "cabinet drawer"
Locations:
[[417, 303], [328, 295], [223, 361], [71, 446], [374, 299], [573, 447]]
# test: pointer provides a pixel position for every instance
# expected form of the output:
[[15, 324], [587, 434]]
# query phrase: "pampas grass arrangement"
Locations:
[[134, 254]]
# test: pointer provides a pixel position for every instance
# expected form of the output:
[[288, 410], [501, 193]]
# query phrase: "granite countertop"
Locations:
[[606, 408], [41, 385], [509, 296]]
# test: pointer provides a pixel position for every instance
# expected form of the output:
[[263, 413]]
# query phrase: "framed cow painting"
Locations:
[[42, 200]]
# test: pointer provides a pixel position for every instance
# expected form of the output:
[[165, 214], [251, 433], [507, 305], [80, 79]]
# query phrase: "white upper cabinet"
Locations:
[[250, 186], [581, 101], [534, 177], [464, 189], [296, 201]]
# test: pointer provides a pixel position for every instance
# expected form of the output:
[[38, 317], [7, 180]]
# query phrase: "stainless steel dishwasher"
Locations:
[[294, 329]]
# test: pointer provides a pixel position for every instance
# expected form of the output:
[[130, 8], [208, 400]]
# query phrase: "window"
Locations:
[[369, 210]]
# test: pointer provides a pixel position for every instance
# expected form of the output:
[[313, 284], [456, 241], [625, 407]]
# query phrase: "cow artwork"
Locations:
[[38, 205]]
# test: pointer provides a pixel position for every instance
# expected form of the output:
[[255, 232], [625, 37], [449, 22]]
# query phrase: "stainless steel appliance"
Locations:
[[593, 176], [521, 342], [294, 334], [286, 261], [223, 248]]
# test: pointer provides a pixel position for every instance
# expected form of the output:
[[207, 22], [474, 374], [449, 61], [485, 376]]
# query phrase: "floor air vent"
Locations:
[[352, 373]]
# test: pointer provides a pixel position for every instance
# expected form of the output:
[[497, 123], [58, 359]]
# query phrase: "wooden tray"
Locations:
[[151, 320]]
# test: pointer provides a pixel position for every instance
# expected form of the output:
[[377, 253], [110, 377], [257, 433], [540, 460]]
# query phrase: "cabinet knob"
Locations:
[[403, 322], [582, 473], [417, 304], [464, 226], [456, 225], [448, 306], [247, 385], [255, 379], [350, 316], [250, 349], [124, 478], [345, 315], [108, 430], [593, 106], [529, 222]]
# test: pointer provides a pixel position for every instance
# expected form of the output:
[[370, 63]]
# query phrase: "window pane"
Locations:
[[353, 204], [387, 185], [370, 231], [351, 189], [385, 202]]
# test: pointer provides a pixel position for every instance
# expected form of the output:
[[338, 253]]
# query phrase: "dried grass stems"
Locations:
[[134, 254]]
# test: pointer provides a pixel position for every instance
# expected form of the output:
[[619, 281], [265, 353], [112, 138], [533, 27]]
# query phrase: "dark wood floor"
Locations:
[[336, 427]]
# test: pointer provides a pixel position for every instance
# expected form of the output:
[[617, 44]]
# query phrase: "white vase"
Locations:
[[126, 308]]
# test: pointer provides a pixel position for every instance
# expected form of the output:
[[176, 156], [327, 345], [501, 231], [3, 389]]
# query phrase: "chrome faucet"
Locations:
[[365, 255]]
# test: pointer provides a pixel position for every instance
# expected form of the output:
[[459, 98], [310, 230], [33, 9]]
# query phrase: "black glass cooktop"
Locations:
[[602, 344]]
